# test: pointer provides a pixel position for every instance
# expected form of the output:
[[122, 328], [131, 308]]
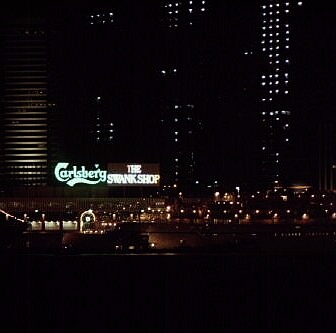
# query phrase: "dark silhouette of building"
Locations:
[[25, 104]]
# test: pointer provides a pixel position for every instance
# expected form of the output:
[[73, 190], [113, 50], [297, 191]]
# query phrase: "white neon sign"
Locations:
[[75, 175]]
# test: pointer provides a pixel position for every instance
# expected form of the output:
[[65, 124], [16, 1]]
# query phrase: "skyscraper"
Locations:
[[181, 104], [296, 99], [24, 107], [276, 107]]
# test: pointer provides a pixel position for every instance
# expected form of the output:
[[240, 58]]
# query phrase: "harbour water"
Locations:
[[266, 278], [170, 292]]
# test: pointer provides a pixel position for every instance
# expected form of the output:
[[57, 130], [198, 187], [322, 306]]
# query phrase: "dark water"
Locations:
[[168, 293]]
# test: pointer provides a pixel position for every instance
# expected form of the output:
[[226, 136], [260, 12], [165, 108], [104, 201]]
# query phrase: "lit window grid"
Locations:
[[25, 140], [275, 41], [101, 18], [183, 11], [275, 44]]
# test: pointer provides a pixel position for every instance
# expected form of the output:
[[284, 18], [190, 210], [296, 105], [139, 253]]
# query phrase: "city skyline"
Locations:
[[113, 77]]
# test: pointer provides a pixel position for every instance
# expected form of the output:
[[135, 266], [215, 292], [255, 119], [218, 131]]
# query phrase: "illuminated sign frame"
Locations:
[[118, 174]]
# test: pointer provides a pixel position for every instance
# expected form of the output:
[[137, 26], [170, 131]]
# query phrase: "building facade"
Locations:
[[24, 104], [181, 90], [276, 107]]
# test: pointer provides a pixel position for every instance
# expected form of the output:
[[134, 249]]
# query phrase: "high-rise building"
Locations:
[[181, 96], [296, 100], [24, 103], [107, 91], [99, 30], [276, 107]]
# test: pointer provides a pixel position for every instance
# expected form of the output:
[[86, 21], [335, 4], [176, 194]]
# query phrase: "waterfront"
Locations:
[[269, 277], [169, 293], [175, 237]]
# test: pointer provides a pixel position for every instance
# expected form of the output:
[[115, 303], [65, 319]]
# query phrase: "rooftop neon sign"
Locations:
[[117, 174]]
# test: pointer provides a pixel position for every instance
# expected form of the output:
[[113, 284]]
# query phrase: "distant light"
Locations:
[[300, 3]]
